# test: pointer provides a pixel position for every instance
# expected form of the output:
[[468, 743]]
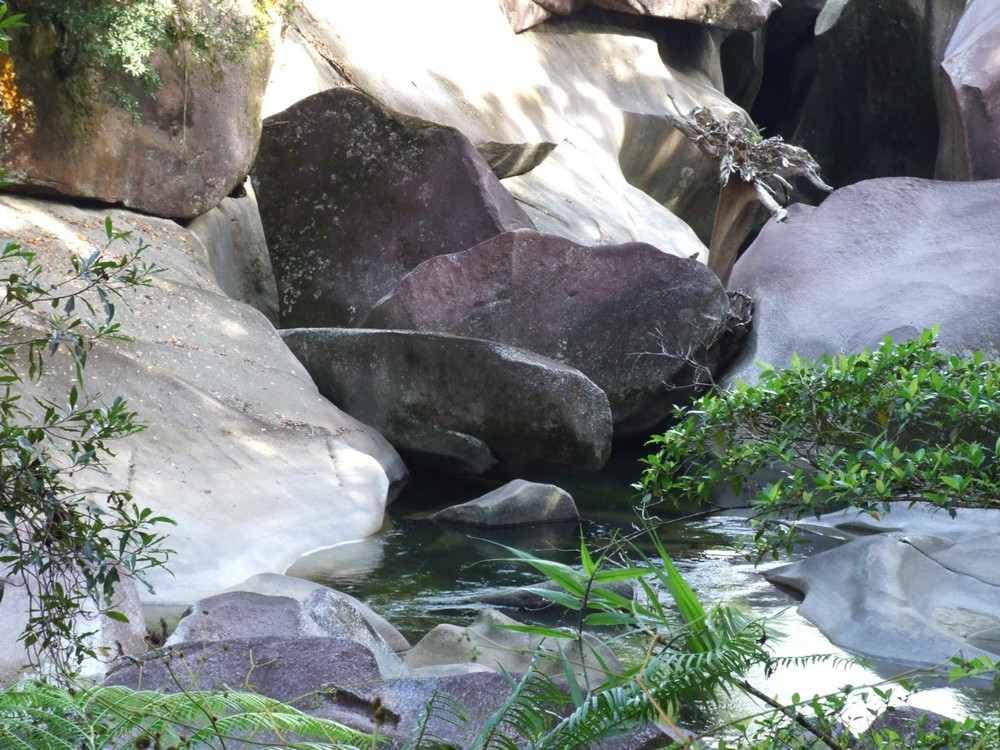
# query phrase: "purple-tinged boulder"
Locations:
[[354, 196], [630, 317], [970, 93], [428, 393], [884, 257]]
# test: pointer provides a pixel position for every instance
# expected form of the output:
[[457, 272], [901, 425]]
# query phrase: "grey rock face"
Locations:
[[246, 615], [531, 412], [924, 589], [629, 317], [515, 504], [883, 257], [354, 196], [307, 592], [970, 87]]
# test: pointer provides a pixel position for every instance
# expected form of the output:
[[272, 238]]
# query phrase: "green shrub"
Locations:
[[901, 423]]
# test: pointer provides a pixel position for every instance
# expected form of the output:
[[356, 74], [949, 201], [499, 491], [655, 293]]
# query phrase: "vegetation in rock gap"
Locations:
[[66, 549], [903, 423]]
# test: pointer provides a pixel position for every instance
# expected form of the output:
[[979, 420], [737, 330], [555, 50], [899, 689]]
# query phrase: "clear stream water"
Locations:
[[418, 574]]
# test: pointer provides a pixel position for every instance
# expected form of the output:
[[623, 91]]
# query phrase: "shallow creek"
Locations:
[[418, 574]]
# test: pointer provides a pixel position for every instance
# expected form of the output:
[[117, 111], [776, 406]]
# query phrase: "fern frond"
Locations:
[[441, 707], [527, 714]]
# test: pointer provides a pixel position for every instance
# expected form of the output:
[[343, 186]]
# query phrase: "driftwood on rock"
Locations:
[[755, 172]]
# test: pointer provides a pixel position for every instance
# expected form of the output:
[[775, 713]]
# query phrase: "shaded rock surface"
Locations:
[[354, 196], [883, 257], [241, 450], [630, 317], [873, 71], [724, 14], [514, 504], [531, 413], [237, 251], [178, 155], [918, 593], [970, 83]]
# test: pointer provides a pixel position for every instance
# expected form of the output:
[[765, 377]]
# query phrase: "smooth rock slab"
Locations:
[[884, 257], [629, 317], [530, 412], [724, 14], [253, 464], [893, 597], [354, 196], [515, 504]]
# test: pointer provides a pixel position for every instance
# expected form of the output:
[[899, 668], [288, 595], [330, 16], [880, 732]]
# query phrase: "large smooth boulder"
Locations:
[[596, 88], [460, 403], [255, 467], [630, 317], [514, 504], [177, 151], [883, 257], [354, 196], [969, 80], [723, 14], [913, 588]]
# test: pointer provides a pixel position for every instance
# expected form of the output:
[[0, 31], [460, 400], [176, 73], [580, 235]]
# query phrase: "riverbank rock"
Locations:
[[255, 467], [514, 504], [458, 403], [919, 592], [969, 79], [354, 196], [630, 317], [242, 615], [598, 88], [309, 593], [176, 151], [883, 257]]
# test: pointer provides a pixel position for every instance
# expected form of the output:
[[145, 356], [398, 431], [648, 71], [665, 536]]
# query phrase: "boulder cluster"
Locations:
[[471, 236]]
